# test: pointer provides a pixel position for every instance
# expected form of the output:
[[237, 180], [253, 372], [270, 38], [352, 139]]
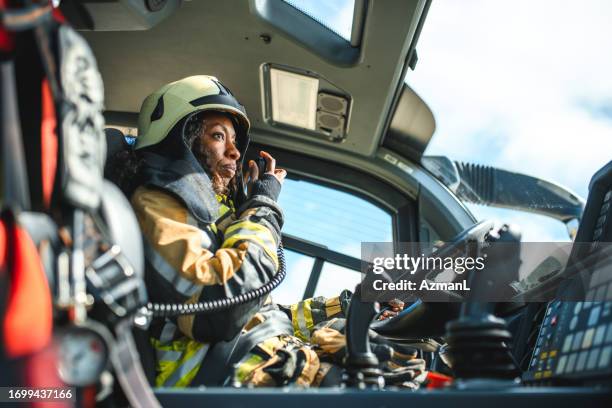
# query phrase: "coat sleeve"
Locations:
[[190, 263], [308, 313]]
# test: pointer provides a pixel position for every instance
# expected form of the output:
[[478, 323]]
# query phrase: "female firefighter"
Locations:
[[206, 239]]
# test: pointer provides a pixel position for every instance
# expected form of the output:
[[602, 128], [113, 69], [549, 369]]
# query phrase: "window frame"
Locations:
[[401, 208], [313, 35]]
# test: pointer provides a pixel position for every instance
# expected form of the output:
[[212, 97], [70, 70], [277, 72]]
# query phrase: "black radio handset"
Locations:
[[241, 195], [261, 166]]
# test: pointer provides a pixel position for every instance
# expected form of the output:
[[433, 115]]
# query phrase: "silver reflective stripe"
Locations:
[[205, 237], [264, 211], [187, 366], [171, 275], [168, 355], [167, 333], [302, 320]]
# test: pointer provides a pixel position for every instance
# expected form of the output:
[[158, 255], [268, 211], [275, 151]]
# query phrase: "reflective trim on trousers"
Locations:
[[168, 355], [187, 366], [301, 317]]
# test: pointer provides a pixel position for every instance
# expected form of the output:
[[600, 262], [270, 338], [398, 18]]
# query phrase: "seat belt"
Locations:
[[218, 365], [126, 362]]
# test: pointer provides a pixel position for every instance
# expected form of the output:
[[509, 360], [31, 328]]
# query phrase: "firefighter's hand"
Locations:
[[266, 185], [280, 174], [393, 308], [253, 171]]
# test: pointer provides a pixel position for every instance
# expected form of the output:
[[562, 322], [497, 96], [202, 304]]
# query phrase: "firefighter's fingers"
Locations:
[[270, 161]]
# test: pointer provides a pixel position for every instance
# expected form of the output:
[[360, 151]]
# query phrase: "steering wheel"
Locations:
[[427, 319], [475, 233], [458, 244]]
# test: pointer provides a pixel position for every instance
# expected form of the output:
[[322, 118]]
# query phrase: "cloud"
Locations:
[[520, 85]]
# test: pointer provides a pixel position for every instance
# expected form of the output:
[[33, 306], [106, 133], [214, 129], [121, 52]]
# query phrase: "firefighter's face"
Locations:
[[218, 146]]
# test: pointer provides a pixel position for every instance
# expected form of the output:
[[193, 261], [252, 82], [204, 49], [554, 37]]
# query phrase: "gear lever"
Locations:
[[478, 341], [361, 364]]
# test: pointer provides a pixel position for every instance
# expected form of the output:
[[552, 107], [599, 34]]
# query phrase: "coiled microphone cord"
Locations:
[[179, 309]]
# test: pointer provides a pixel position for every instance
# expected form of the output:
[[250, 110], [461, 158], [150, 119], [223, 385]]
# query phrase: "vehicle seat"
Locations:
[[131, 242], [115, 143]]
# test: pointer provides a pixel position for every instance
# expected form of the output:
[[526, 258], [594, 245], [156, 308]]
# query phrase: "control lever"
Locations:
[[478, 342], [361, 364]]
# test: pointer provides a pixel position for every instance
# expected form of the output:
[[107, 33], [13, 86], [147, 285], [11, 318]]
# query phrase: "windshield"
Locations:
[[524, 86]]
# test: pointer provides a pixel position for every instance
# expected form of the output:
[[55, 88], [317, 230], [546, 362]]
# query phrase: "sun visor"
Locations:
[[412, 126]]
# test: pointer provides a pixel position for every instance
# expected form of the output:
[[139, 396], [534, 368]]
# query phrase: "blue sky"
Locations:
[[522, 85]]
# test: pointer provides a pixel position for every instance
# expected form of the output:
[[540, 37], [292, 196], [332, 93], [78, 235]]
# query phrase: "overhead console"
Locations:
[[117, 15], [304, 101]]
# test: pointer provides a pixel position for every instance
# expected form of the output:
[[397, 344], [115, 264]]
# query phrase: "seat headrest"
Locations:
[[115, 142]]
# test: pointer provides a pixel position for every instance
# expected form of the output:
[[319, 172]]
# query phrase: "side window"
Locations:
[[298, 271], [427, 232], [334, 279], [330, 225]]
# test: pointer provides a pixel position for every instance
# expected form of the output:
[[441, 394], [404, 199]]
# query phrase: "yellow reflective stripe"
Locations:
[[221, 198], [268, 246], [246, 368], [230, 242], [188, 377], [223, 209], [308, 314], [187, 366], [259, 229], [253, 226], [269, 243], [188, 356], [164, 370], [301, 319], [295, 323]]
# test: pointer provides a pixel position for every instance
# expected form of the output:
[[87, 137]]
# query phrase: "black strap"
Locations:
[[219, 362], [14, 183], [128, 369]]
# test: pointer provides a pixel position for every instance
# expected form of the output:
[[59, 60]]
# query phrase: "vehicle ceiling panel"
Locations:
[[222, 38]]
